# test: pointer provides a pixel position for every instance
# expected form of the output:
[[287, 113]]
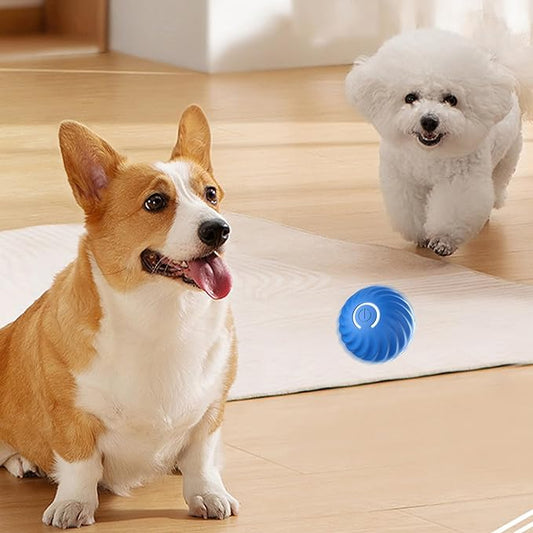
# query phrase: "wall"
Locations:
[[232, 35], [170, 31]]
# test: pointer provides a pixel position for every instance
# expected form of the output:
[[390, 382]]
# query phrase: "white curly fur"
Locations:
[[441, 195]]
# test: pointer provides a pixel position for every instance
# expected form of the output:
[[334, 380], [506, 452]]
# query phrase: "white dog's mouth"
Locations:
[[429, 139]]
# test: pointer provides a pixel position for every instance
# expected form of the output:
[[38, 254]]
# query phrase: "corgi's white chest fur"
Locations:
[[161, 355]]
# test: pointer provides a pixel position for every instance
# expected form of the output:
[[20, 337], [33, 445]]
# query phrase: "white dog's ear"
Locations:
[[363, 88], [354, 80], [493, 100]]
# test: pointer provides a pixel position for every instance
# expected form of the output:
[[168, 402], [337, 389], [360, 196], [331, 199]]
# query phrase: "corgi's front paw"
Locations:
[[19, 466], [213, 505], [69, 513], [442, 246]]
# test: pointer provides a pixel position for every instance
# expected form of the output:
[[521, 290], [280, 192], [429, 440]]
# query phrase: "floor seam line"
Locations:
[[427, 520], [265, 459]]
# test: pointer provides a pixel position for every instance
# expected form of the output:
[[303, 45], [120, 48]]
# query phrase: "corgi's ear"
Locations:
[[194, 138], [90, 162]]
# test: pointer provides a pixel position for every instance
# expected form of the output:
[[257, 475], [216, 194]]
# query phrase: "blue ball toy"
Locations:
[[376, 324]]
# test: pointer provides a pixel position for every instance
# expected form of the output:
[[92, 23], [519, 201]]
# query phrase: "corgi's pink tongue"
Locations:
[[212, 275]]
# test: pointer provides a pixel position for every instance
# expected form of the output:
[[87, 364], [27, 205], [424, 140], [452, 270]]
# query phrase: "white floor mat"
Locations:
[[289, 288]]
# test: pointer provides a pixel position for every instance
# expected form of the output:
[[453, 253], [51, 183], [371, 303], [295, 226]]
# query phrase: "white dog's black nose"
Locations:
[[429, 122], [214, 232]]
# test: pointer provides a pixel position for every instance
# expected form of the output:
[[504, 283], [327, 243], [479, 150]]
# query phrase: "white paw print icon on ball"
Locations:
[[376, 324]]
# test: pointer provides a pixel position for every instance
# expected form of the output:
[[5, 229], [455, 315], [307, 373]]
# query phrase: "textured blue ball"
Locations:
[[376, 324]]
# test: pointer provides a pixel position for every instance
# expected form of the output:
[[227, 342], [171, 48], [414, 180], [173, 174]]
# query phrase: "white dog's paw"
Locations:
[[442, 246], [499, 200], [20, 467], [213, 505], [69, 513]]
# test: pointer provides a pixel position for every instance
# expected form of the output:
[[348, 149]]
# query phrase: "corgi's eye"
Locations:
[[156, 202], [211, 195], [410, 98], [450, 99]]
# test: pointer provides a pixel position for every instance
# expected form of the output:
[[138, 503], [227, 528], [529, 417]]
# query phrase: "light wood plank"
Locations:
[[273, 499]]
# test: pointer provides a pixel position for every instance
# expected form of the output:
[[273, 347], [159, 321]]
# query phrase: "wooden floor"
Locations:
[[433, 455]]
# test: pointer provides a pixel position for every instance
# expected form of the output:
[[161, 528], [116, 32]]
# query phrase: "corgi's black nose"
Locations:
[[214, 233], [429, 122]]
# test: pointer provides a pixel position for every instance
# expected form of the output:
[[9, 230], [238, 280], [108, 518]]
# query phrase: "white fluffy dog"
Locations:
[[449, 118]]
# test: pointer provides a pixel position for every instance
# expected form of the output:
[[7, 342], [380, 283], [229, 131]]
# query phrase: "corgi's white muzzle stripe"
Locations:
[[182, 240]]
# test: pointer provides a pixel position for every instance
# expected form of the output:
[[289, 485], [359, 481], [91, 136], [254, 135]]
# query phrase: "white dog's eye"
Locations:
[[410, 98], [450, 99]]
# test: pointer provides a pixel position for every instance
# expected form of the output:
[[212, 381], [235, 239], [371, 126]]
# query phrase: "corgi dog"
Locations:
[[120, 371]]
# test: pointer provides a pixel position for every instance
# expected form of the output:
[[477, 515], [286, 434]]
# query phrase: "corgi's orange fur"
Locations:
[[120, 371]]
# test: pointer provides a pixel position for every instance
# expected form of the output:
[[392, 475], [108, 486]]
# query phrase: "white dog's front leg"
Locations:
[[203, 488], [457, 210], [406, 205], [76, 498]]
